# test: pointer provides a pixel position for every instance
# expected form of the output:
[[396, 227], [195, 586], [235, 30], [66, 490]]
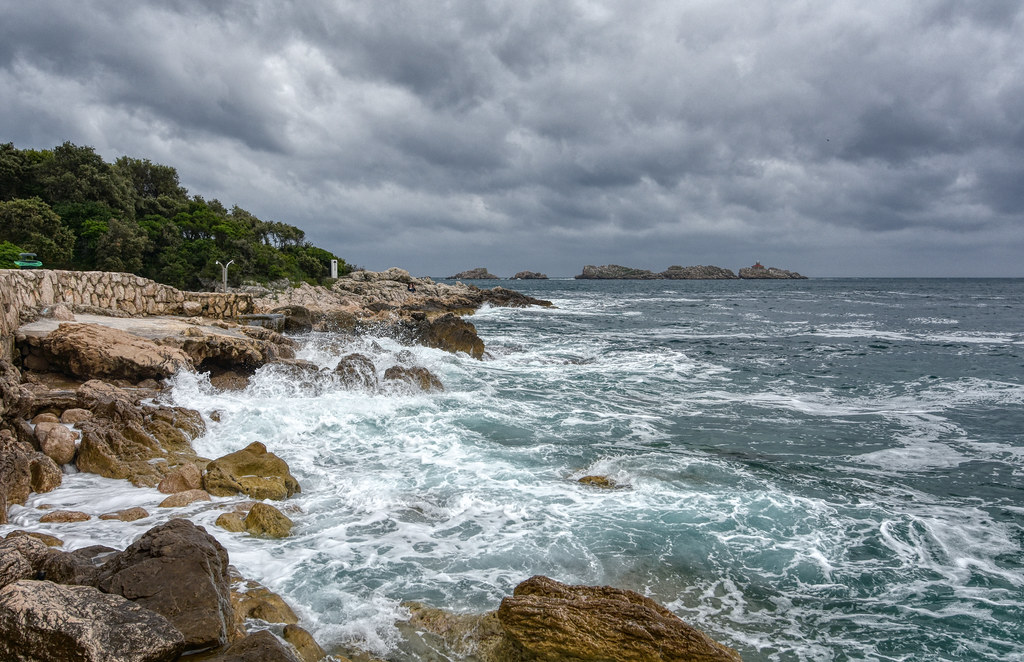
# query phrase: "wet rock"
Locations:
[[231, 352], [91, 351], [250, 599], [448, 332], [180, 572], [184, 478], [182, 499], [253, 471], [15, 472], [128, 440], [505, 298], [297, 319], [233, 522], [357, 371], [42, 621], [44, 474], [45, 418], [304, 644], [603, 482], [126, 515], [65, 516], [479, 636], [228, 380], [259, 646], [555, 621], [266, 521], [416, 376]]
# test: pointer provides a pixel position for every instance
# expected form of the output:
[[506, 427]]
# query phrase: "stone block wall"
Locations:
[[135, 295]]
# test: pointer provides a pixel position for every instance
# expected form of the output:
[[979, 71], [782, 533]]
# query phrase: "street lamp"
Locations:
[[224, 274]]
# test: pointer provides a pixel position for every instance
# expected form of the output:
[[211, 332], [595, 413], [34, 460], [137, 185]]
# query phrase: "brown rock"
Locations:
[[554, 621], [180, 572], [416, 376], [42, 621], [13, 566], [261, 646], [76, 415], [267, 521], [304, 644], [35, 551], [46, 539], [186, 477], [79, 567], [15, 472], [251, 599], [91, 351], [357, 371], [64, 516], [44, 474], [603, 482], [127, 515], [59, 444], [207, 349], [450, 333], [46, 417], [181, 499], [252, 471], [231, 522]]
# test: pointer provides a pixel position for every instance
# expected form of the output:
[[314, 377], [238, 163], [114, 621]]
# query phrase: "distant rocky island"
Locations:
[[529, 275], [675, 272], [480, 273]]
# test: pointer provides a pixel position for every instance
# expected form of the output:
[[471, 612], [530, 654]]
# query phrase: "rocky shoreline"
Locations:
[[85, 394]]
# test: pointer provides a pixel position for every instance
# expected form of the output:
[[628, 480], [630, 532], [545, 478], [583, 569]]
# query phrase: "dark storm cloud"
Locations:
[[830, 138]]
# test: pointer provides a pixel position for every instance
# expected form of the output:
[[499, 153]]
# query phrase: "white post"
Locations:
[[334, 268], [224, 274]]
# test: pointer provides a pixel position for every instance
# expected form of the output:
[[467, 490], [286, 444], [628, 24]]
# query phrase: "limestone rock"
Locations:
[[253, 471], [181, 499], [44, 474], [42, 621], [79, 567], [127, 515], [180, 572], [75, 415], [45, 538], [231, 522], [261, 646], [416, 376], [447, 332], [206, 349], [65, 516], [358, 371], [91, 351], [304, 644], [599, 481], [33, 550], [555, 621], [266, 521], [15, 472], [13, 566], [297, 318], [58, 444], [184, 478], [46, 417], [250, 599]]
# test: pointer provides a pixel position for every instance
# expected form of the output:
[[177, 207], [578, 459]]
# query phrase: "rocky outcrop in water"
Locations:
[[252, 471], [550, 621], [675, 272], [758, 271], [529, 275], [480, 273]]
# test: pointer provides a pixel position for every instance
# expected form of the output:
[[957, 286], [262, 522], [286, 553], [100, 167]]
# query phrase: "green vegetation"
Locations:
[[76, 211]]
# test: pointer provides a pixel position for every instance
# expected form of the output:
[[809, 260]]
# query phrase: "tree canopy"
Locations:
[[76, 211]]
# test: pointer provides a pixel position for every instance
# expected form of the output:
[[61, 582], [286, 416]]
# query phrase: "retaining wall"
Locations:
[[135, 295]]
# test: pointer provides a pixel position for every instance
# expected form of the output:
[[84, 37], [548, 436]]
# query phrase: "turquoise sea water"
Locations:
[[813, 470]]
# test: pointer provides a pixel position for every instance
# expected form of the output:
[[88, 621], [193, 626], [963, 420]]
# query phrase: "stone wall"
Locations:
[[134, 295]]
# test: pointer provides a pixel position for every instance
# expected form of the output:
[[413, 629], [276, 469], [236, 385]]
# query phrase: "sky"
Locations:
[[867, 138]]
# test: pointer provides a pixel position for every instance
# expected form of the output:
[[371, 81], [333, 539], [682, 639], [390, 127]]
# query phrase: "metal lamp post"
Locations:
[[224, 274]]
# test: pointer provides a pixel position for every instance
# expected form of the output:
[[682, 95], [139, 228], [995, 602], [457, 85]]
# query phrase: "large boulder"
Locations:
[[555, 621], [357, 371], [232, 351], [42, 622], [416, 376], [23, 470], [181, 572], [268, 522], [253, 471], [261, 646], [250, 599], [448, 332], [91, 351]]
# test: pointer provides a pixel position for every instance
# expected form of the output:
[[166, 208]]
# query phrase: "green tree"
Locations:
[[79, 174], [35, 227], [8, 254], [121, 247]]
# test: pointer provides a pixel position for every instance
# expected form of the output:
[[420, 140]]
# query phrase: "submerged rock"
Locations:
[[266, 521], [416, 376], [357, 371]]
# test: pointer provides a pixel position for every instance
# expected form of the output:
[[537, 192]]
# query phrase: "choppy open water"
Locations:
[[816, 470]]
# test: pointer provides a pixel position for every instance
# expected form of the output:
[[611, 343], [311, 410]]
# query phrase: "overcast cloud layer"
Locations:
[[833, 138]]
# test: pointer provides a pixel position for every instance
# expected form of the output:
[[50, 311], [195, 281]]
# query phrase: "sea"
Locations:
[[824, 469]]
